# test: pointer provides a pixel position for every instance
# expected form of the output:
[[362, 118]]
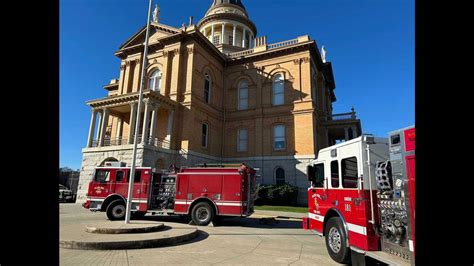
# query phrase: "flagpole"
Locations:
[[137, 125]]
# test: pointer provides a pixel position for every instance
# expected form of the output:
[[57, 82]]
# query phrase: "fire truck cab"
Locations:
[[202, 192], [361, 196]]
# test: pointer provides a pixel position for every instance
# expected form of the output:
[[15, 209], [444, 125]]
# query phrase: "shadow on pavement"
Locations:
[[251, 222]]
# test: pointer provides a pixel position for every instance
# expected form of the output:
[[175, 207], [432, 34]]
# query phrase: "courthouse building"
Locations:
[[218, 93]]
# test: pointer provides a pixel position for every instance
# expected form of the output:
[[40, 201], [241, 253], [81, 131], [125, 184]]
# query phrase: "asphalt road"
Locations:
[[237, 241]]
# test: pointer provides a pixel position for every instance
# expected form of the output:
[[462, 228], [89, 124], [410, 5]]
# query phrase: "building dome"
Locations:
[[227, 25], [230, 2]]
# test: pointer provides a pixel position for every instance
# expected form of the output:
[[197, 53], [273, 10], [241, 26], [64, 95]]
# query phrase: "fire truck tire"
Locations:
[[202, 214], [336, 241], [116, 210]]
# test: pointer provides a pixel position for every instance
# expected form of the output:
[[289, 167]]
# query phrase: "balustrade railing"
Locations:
[[282, 44], [156, 142], [269, 47], [343, 116]]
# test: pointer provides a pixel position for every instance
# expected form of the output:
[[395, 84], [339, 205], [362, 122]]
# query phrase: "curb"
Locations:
[[150, 229], [137, 244]]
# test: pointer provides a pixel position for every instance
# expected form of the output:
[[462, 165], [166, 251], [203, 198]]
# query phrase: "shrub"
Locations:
[[279, 195]]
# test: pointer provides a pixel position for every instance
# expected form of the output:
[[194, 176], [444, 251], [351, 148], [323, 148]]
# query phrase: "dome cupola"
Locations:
[[227, 25]]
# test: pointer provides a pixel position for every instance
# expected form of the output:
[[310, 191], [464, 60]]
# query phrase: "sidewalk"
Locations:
[[278, 214]]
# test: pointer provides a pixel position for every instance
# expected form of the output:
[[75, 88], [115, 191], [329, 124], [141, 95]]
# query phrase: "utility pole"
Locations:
[[137, 125]]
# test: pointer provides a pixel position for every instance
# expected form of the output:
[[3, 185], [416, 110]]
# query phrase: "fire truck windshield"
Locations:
[[102, 176]]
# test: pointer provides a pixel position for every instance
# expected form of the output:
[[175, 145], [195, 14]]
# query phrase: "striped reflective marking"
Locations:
[[235, 203], [228, 204], [357, 229], [133, 200], [316, 217], [410, 245], [208, 173], [351, 227]]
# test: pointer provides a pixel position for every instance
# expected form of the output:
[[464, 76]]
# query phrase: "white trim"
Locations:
[[228, 204], [357, 229], [208, 173], [410, 245], [351, 227], [139, 201], [95, 199], [316, 217], [133, 200]]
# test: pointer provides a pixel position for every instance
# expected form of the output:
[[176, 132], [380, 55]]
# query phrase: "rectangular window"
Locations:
[[216, 40], [243, 98], [242, 140], [102, 176], [279, 140], [278, 90], [349, 172], [204, 135], [137, 178], [334, 174], [319, 182], [119, 176]]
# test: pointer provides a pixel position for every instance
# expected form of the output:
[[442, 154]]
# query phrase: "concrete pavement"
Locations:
[[237, 241]]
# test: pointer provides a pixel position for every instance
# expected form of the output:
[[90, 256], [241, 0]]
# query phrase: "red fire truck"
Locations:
[[202, 192], [362, 198]]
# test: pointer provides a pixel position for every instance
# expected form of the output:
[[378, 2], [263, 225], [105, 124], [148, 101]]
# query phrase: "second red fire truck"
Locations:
[[204, 193], [362, 198]]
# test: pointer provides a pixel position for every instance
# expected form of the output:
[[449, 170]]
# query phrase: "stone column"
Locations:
[[97, 136], [170, 126], [346, 133], [136, 76], [251, 43], [146, 119], [119, 132], [154, 120], [103, 126], [212, 33], [244, 38], [127, 76], [233, 35], [133, 120], [223, 33], [92, 128]]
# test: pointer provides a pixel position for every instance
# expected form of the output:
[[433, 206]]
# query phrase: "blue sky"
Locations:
[[369, 42]]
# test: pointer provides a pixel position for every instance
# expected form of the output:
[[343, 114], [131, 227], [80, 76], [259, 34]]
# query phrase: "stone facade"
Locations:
[[208, 101]]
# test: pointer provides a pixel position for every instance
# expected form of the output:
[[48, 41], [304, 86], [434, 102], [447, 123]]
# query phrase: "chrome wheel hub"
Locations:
[[334, 238], [202, 214], [118, 211]]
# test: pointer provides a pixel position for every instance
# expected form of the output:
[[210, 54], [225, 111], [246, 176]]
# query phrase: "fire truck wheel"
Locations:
[[202, 214], [116, 210], [336, 241]]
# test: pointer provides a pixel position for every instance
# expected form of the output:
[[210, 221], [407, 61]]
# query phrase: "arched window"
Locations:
[[280, 176], [154, 82], [205, 132], [243, 95], [207, 88], [279, 140], [278, 90]]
